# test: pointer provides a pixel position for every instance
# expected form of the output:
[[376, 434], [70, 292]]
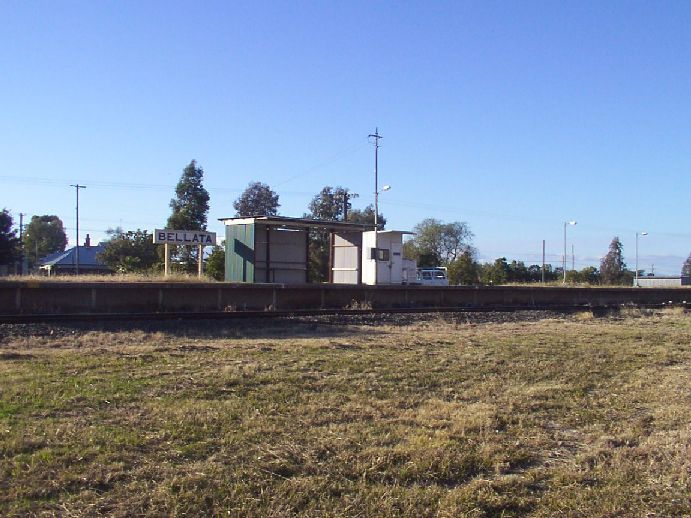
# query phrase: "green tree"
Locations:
[[438, 242], [496, 272], [612, 266], [216, 263], [190, 208], [366, 217], [588, 275], [686, 268], [9, 242], [44, 235], [132, 251], [518, 272], [330, 203], [257, 200], [465, 269]]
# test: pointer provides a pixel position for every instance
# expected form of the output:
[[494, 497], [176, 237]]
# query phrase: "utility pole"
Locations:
[[77, 187], [376, 138], [543, 261], [21, 243]]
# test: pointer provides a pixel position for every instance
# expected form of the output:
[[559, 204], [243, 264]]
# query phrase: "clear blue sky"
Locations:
[[511, 116]]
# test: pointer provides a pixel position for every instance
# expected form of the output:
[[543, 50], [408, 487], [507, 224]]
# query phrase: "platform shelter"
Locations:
[[275, 249]]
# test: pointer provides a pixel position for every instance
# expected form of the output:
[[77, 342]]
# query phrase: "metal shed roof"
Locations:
[[87, 257], [285, 222]]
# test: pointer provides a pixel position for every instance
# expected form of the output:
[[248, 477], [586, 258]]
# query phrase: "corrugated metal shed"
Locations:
[[273, 248]]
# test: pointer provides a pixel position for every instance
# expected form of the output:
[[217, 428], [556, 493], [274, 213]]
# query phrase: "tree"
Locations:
[[330, 203], [465, 269], [216, 263], [44, 235], [686, 268], [257, 200], [9, 242], [612, 266], [190, 208], [366, 217], [132, 251], [495, 273], [191, 203], [518, 272], [438, 242]]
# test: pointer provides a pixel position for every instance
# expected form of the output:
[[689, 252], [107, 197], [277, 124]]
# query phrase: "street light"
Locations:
[[638, 234], [376, 204], [566, 223]]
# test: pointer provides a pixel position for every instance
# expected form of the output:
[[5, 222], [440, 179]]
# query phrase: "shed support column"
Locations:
[[307, 255], [268, 254]]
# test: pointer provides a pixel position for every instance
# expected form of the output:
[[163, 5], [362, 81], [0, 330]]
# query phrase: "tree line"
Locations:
[[435, 243]]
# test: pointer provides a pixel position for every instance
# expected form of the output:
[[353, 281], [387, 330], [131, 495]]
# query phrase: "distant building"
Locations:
[[65, 263], [662, 282]]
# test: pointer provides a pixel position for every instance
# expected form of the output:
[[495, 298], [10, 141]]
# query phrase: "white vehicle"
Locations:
[[432, 276]]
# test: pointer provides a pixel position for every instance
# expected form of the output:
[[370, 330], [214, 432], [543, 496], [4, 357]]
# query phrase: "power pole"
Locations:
[[376, 138], [543, 261], [77, 187]]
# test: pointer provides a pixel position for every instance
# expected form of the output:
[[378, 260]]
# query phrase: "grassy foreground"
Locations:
[[562, 417]]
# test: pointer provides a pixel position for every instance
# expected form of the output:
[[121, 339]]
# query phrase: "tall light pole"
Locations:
[[376, 136], [638, 234], [77, 187], [566, 223]]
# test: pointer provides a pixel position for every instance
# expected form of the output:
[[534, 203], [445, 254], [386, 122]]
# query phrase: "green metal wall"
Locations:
[[240, 253]]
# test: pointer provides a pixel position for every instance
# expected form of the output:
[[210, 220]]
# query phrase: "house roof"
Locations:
[[87, 257], [285, 222]]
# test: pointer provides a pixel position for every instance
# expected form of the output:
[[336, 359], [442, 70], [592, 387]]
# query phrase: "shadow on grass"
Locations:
[[280, 327], [208, 329]]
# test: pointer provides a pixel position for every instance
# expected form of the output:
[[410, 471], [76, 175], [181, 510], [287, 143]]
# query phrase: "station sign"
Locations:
[[184, 237]]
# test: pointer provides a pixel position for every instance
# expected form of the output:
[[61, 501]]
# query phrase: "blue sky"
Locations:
[[511, 116]]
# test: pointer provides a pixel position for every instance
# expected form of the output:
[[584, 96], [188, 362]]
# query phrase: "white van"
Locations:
[[432, 276]]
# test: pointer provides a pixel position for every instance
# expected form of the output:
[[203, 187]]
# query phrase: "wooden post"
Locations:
[[201, 261], [166, 268]]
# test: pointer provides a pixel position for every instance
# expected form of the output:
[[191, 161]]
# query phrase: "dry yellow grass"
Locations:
[[437, 417], [119, 277]]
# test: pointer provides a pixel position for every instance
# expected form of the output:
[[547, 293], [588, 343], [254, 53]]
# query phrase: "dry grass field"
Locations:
[[431, 416]]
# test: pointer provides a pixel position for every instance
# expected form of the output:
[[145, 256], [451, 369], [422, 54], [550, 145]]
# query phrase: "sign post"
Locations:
[[198, 238]]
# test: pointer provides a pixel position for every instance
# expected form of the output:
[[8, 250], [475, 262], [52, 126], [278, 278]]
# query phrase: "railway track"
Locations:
[[246, 315]]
